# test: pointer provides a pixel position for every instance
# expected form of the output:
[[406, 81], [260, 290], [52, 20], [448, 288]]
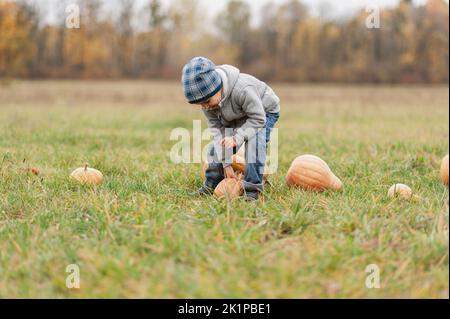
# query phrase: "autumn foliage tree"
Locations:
[[154, 38], [16, 35]]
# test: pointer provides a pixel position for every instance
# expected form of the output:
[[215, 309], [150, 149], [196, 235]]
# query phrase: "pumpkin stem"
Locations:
[[85, 167]]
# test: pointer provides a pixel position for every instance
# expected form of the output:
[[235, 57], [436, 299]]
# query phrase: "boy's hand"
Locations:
[[229, 172], [228, 142]]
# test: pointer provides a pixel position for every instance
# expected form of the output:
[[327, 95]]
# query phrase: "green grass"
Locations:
[[140, 234]]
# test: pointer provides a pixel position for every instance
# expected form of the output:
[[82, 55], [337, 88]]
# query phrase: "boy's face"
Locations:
[[213, 102]]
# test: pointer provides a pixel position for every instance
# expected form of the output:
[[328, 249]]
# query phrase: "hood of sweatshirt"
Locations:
[[230, 76]]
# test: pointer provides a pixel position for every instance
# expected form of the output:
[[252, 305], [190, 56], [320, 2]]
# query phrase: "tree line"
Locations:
[[155, 39]]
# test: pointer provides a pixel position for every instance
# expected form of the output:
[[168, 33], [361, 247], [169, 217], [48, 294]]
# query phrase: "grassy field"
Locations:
[[140, 234]]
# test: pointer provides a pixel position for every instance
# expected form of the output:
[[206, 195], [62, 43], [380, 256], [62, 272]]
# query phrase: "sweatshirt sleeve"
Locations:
[[253, 107]]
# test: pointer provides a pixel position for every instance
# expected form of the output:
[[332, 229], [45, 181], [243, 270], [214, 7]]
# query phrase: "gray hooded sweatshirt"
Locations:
[[244, 105]]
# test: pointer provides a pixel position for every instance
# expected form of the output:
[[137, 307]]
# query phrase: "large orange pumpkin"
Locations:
[[311, 173], [444, 170], [229, 188], [87, 175]]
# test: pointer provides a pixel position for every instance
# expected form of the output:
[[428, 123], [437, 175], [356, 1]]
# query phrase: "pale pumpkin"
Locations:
[[229, 188], [400, 190], [444, 170], [87, 175], [311, 173]]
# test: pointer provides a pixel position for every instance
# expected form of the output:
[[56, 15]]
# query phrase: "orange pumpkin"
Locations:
[[238, 163], [444, 170], [311, 173], [87, 175], [229, 188], [205, 167]]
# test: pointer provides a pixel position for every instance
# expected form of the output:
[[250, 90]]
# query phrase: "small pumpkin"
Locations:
[[444, 170], [229, 188], [87, 175], [401, 190], [239, 165], [311, 173], [205, 167]]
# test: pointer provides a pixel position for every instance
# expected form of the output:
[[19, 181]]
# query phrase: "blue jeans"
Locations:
[[255, 159]]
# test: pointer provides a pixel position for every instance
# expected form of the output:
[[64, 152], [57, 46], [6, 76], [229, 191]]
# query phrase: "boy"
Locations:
[[239, 108]]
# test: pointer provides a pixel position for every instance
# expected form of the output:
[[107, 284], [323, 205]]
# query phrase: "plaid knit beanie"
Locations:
[[200, 80]]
